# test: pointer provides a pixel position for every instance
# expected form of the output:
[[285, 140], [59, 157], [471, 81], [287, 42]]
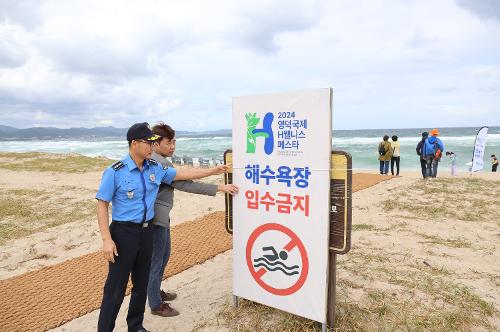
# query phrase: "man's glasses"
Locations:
[[150, 143]]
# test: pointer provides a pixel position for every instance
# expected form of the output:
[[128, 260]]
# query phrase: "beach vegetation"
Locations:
[[465, 199], [405, 294], [454, 243], [363, 227], [26, 211], [391, 292], [251, 316], [44, 162], [455, 308], [21, 155]]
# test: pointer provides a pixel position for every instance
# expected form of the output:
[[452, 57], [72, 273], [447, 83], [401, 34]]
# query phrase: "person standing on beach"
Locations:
[[453, 162], [158, 298], [494, 163], [433, 150], [131, 185], [385, 155], [420, 147], [396, 153]]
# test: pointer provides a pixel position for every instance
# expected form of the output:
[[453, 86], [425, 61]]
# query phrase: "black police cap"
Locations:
[[141, 131]]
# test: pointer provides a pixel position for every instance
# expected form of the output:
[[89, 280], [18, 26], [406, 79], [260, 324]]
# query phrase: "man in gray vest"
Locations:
[[157, 298]]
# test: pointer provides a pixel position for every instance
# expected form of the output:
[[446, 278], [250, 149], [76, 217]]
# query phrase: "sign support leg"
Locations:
[[330, 315], [323, 327], [235, 301]]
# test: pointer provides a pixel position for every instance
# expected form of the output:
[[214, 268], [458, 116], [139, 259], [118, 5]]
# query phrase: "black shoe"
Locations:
[[142, 329]]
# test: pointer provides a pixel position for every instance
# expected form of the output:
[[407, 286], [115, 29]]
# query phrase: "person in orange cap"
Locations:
[[432, 150]]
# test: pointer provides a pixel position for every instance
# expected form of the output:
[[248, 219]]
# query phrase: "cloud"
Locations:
[[26, 13], [483, 8], [118, 62], [13, 53], [10, 54], [257, 29]]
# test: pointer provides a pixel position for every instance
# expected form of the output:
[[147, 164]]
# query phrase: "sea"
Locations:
[[361, 144]]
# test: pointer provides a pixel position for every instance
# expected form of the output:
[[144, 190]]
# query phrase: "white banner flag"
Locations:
[[477, 159]]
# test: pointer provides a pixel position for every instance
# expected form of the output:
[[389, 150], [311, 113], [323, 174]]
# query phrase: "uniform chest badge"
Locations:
[[130, 194], [152, 177]]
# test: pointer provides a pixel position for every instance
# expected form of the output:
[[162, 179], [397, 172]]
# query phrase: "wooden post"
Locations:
[[332, 282]]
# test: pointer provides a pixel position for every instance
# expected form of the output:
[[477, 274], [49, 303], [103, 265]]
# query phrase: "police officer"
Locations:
[[132, 186]]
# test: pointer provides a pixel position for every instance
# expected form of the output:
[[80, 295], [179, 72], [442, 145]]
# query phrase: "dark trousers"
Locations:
[[432, 167], [134, 245], [423, 166], [395, 160], [494, 167], [384, 166]]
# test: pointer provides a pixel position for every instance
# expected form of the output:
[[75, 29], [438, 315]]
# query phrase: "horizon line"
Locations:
[[227, 129]]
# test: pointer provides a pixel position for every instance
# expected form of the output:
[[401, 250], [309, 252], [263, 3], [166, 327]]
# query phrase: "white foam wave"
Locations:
[[376, 140], [203, 138]]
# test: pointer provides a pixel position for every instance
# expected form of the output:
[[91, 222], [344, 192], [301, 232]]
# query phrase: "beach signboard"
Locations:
[[280, 220]]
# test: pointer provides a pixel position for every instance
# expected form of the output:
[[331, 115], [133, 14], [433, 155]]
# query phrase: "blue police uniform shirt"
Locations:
[[131, 191]]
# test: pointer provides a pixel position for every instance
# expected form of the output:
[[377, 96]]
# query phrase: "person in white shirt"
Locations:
[[396, 153]]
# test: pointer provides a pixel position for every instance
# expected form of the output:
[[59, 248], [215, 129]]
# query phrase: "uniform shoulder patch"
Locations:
[[153, 162], [116, 166]]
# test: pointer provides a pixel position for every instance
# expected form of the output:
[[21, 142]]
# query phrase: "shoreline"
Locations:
[[443, 169]]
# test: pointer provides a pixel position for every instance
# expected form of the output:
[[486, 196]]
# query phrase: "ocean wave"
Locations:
[[363, 149], [412, 139], [180, 139], [276, 269], [275, 263]]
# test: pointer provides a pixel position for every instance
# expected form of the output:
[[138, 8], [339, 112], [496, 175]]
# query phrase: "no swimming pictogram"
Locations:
[[291, 277]]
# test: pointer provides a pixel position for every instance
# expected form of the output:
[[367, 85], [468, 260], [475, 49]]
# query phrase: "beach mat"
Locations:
[[362, 181], [47, 298]]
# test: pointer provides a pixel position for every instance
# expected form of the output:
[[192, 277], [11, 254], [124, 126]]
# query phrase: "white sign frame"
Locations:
[[298, 236]]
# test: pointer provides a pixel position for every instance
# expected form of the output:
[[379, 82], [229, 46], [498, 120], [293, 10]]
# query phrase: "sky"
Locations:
[[391, 63]]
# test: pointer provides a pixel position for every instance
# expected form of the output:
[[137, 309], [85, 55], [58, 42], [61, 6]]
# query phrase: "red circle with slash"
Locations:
[[294, 242]]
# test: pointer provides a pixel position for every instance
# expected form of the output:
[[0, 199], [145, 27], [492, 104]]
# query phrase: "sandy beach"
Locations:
[[429, 252]]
